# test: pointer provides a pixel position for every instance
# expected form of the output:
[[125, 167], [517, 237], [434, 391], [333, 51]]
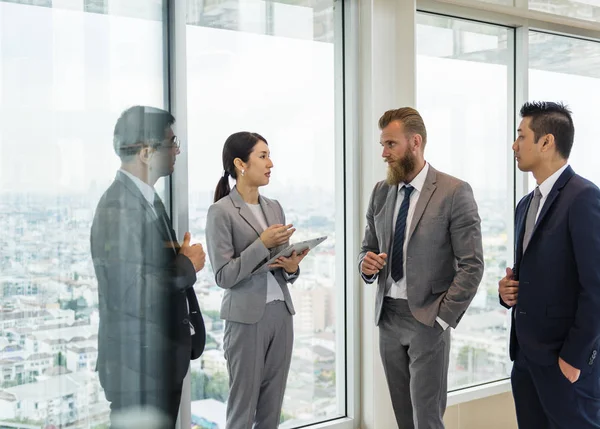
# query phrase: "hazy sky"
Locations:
[[63, 86]]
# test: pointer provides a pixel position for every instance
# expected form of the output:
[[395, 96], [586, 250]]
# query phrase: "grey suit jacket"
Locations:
[[236, 252], [144, 340], [444, 251]]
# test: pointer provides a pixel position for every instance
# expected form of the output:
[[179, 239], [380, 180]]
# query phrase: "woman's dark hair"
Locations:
[[238, 145]]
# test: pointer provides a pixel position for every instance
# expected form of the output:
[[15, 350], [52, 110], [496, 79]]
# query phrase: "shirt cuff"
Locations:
[[289, 276], [443, 324], [368, 279]]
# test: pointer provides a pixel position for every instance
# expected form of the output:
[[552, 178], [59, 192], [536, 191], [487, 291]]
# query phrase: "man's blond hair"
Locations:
[[410, 118]]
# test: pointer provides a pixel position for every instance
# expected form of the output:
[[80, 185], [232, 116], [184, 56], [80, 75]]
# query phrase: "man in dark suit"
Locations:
[[554, 287], [429, 223], [150, 321]]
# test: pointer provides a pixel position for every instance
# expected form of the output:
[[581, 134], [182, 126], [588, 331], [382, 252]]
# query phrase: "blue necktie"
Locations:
[[399, 233]]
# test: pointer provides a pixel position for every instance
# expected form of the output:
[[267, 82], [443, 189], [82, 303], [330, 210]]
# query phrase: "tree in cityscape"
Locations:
[[211, 344], [9, 384], [470, 358], [215, 386], [60, 360], [211, 314], [218, 387], [285, 416], [73, 304]]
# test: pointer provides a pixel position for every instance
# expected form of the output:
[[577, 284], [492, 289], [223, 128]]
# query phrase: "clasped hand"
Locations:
[[373, 263], [508, 288]]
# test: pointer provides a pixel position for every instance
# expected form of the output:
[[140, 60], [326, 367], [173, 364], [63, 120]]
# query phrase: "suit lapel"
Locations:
[[134, 190], [563, 179], [390, 205], [547, 204], [428, 189], [269, 211], [245, 211]]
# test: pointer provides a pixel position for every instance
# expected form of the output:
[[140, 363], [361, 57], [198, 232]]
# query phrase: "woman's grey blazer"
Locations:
[[236, 252]]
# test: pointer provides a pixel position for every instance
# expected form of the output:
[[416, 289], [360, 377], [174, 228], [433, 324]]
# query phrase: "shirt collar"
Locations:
[[146, 190], [547, 185], [419, 181]]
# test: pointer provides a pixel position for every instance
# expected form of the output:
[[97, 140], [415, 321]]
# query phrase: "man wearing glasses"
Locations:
[[150, 321]]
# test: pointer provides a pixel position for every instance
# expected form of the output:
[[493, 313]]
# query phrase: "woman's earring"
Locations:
[[243, 172]]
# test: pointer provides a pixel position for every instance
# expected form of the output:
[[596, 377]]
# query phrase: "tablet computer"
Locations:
[[298, 247]]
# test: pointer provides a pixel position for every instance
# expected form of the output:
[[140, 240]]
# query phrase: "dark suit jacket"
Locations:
[[558, 305], [144, 339]]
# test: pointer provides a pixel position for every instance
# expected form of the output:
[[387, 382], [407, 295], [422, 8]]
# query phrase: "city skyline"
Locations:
[[269, 67]]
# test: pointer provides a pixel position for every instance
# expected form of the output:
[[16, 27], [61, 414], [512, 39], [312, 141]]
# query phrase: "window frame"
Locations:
[[514, 101], [347, 337], [522, 20]]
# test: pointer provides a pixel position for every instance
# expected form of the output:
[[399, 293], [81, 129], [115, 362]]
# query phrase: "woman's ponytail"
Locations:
[[222, 189]]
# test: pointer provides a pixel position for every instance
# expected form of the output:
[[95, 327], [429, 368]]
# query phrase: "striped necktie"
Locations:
[[399, 235]]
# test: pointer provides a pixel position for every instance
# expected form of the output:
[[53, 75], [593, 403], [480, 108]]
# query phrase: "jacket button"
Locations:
[[185, 322]]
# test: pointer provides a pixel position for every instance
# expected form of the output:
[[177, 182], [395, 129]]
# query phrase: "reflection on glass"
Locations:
[[62, 88], [571, 75], [150, 321], [466, 112], [580, 9], [274, 75], [266, 17], [501, 2]]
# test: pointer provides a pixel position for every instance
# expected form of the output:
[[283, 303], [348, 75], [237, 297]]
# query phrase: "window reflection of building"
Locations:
[[261, 17], [580, 9]]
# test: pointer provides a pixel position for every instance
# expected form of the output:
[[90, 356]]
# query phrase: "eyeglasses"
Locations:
[[175, 143]]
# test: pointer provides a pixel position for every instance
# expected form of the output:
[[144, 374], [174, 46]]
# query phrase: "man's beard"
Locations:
[[400, 170]]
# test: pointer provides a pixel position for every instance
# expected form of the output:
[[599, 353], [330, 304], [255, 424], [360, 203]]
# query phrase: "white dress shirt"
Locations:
[[397, 290], [546, 186], [147, 191], [149, 195], [274, 292]]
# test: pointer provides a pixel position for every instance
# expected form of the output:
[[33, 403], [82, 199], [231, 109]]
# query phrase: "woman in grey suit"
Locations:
[[244, 230]]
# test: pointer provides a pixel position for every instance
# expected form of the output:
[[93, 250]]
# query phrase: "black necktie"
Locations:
[[163, 218], [399, 233]]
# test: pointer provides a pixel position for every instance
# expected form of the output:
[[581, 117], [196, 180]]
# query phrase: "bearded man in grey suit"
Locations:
[[423, 246]]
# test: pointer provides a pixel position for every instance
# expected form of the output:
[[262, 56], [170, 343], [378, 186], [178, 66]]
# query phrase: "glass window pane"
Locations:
[[466, 114], [268, 67], [65, 77], [571, 75], [580, 9]]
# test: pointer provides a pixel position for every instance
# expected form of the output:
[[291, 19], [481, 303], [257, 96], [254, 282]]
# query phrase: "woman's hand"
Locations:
[[290, 265], [276, 235]]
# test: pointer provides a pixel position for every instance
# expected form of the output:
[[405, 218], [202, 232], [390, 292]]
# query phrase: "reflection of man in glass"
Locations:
[[150, 321]]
